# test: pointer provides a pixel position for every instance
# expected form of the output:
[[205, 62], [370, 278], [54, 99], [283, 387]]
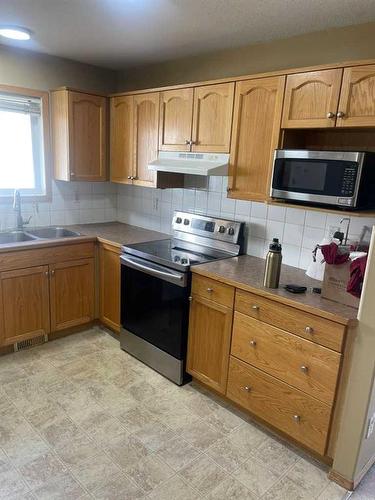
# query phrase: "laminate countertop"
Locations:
[[246, 272]]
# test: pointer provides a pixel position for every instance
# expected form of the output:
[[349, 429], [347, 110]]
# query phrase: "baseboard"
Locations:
[[351, 484]]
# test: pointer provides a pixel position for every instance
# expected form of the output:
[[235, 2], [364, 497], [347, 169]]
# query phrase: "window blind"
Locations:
[[20, 104]]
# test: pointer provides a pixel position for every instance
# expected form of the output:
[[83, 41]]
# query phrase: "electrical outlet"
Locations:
[[371, 424]]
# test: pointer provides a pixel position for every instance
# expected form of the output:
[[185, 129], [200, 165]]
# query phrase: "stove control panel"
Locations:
[[209, 227]]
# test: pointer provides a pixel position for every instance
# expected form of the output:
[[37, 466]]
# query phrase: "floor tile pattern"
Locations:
[[81, 419]]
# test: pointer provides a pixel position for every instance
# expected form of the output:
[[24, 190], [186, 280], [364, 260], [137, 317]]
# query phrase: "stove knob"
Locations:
[[176, 258], [186, 222], [221, 229], [184, 261], [231, 230], [178, 220]]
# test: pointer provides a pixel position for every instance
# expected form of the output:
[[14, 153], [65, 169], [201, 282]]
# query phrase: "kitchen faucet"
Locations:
[[17, 208]]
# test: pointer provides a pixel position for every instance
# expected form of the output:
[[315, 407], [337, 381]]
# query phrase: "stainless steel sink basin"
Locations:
[[52, 233], [15, 237]]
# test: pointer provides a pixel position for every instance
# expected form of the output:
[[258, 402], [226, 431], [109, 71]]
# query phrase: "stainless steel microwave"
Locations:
[[336, 178]]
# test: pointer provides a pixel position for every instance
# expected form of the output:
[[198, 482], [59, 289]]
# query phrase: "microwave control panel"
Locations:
[[348, 181]]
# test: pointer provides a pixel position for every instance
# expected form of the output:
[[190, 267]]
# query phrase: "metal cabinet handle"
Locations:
[[210, 290], [330, 114], [46, 273], [253, 343], [247, 388], [129, 176], [309, 329], [297, 418], [72, 174], [340, 114], [53, 272], [255, 307], [190, 299], [304, 369]]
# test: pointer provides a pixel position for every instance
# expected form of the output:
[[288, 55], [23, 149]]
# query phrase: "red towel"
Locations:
[[357, 274], [332, 255]]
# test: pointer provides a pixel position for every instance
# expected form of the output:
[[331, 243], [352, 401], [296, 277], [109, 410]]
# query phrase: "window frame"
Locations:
[[46, 135]]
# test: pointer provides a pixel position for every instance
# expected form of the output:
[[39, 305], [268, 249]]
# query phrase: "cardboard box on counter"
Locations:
[[335, 281]]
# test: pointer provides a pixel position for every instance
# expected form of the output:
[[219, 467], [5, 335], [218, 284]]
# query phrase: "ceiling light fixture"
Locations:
[[15, 32]]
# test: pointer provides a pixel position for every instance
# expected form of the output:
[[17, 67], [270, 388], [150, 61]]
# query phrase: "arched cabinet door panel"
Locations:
[[357, 100], [212, 121], [311, 99], [255, 136], [176, 114], [122, 153]]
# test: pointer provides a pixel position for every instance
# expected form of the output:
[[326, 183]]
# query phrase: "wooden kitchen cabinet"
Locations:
[[24, 300], [109, 265], [311, 99], [72, 293], [255, 135], [121, 133], [146, 127], [357, 98], [212, 119], [176, 116], [209, 342], [79, 136]]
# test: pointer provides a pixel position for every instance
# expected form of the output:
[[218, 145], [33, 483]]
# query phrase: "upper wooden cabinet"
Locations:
[[79, 136], [255, 135], [176, 115], [212, 121], [357, 99], [198, 119], [311, 99], [122, 147]]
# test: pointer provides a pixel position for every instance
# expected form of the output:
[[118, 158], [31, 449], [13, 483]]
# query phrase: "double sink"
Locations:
[[43, 233]]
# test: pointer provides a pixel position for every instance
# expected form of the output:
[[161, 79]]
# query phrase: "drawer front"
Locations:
[[306, 325], [213, 290], [302, 364], [300, 416]]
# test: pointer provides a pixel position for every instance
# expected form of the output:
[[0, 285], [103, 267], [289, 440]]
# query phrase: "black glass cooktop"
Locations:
[[172, 253]]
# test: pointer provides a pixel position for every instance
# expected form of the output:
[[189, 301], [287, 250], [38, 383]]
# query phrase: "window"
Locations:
[[22, 143]]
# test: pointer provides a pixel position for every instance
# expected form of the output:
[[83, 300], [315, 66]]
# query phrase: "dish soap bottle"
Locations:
[[273, 265]]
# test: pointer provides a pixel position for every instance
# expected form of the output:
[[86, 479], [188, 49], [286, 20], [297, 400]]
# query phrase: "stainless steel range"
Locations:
[[155, 288]]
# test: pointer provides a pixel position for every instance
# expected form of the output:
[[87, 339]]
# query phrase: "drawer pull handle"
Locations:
[[247, 388], [330, 114], [210, 290], [297, 418], [309, 329], [255, 307], [190, 298], [340, 114], [304, 369], [253, 343]]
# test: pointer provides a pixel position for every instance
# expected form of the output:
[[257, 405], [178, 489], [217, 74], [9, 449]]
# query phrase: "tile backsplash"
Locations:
[[299, 230], [78, 203]]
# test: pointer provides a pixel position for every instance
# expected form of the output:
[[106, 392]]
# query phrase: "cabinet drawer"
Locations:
[[306, 325], [302, 364], [213, 290], [302, 417]]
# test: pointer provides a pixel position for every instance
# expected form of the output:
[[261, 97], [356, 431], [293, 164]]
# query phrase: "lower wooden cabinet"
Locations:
[[109, 265], [25, 304], [54, 294], [300, 416], [210, 330], [72, 293]]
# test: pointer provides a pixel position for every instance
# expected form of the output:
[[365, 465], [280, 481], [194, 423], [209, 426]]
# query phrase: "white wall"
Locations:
[[299, 230]]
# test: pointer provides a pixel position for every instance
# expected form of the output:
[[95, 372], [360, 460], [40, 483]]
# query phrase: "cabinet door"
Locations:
[[311, 99], [357, 100], [146, 125], [87, 137], [212, 122], [72, 293], [25, 304], [176, 115], [256, 131], [209, 342], [109, 263], [122, 153]]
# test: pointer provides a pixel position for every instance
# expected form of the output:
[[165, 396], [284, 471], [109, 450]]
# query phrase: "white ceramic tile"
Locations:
[[311, 237], [291, 254], [315, 219], [257, 228], [228, 205], [243, 208], [305, 258], [201, 201], [214, 202], [276, 213], [259, 210], [255, 247], [274, 229], [216, 183], [293, 234], [188, 202], [295, 216]]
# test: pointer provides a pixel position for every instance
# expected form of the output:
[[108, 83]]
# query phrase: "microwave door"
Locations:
[[314, 180]]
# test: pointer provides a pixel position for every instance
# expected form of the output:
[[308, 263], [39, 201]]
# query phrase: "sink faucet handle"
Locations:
[[27, 221]]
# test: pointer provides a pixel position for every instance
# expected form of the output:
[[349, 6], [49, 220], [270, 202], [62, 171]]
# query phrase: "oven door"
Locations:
[[155, 304], [316, 176]]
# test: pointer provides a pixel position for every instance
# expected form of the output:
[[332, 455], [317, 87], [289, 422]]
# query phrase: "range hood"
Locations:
[[191, 163]]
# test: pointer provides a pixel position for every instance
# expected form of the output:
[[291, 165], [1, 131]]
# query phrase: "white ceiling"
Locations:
[[123, 33]]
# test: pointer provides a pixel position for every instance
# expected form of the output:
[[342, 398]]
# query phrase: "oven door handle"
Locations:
[[154, 270]]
